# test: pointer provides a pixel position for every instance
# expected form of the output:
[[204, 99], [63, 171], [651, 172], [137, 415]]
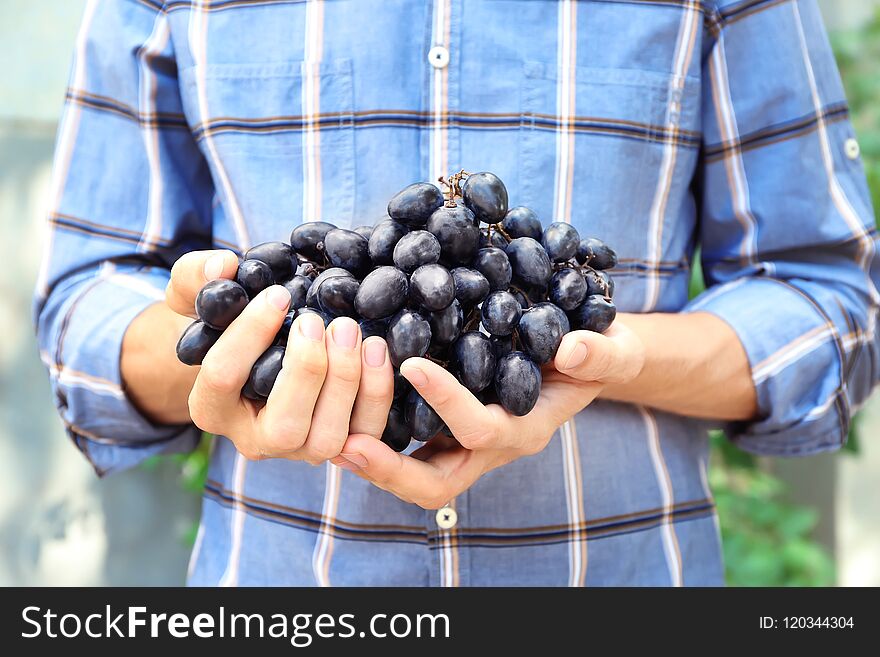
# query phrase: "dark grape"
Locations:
[[219, 302], [471, 287], [278, 255], [486, 196], [529, 261], [596, 254], [520, 296], [500, 313], [385, 236], [540, 331], [457, 231], [598, 282], [494, 264], [517, 383], [363, 231], [491, 237], [284, 332], [446, 323], [298, 286], [347, 249], [409, 335], [308, 239], [414, 204], [594, 314], [254, 276], [501, 346], [401, 386], [336, 296], [473, 360], [249, 393], [327, 317], [195, 341], [373, 327], [432, 287], [568, 289], [522, 222], [265, 371], [312, 292], [561, 241], [415, 249], [396, 433], [382, 293], [422, 420]]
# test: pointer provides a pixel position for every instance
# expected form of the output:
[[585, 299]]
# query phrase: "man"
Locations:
[[197, 129]]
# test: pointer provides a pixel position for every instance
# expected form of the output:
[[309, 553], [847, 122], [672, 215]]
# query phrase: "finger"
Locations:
[[427, 483], [376, 389], [474, 425], [216, 393], [332, 413], [190, 273], [612, 357], [287, 416]]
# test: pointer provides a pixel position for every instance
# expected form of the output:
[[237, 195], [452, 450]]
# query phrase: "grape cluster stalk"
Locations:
[[450, 274]]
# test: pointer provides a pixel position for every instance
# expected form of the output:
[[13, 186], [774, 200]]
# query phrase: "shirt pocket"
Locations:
[[279, 138], [600, 167]]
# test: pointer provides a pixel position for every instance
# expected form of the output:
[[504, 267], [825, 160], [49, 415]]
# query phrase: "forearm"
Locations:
[[694, 365], [155, 381]]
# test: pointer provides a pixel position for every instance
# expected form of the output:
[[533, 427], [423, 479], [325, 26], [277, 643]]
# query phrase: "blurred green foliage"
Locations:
[[767, 539]]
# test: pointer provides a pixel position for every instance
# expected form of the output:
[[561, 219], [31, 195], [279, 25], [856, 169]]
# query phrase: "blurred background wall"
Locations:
[[783, 521]]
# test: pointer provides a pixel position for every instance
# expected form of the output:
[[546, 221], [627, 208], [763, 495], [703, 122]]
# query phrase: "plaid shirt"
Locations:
[[657, 125]]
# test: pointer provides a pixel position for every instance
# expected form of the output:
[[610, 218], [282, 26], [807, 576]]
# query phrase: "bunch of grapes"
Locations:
[[453, 276]]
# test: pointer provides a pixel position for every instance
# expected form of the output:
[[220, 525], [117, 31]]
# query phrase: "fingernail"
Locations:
[[311, 326], [375, 352], [345, 464], [344, 332], [214, 266], [576, 357], [278, 297], [355, 458], [414, 375]]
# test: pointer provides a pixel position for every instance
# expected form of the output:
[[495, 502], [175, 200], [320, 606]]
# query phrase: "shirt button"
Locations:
[[446, 517], [851, 148], [438, 56]]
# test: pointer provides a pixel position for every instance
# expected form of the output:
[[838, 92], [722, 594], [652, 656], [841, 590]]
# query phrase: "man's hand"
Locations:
[[315, 402], [487, 437]]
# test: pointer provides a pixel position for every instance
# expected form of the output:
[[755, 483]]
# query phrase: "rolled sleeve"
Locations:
[[81, 343]]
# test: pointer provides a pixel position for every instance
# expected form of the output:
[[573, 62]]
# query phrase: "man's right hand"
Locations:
[[330, 385]]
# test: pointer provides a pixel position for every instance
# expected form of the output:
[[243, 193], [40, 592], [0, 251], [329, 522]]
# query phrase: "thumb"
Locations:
[[617, 356], [191, 271]]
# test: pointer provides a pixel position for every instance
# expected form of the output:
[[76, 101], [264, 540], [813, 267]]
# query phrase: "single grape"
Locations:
[[494, 264], [254, 276], [596, 313], [363, 231], [609, 284], [432, 287], [596, 254], [336, 296], [308, 239], [414, 204], [382, 293], [473, 360], [312, 292], [446, 323], [500, 313], [457, 231], [327, 317], [439, 352], [219, 302], [265, 371], [409, 335], [298, 286], [422, 420], [489, 237], [517, 383], [568, 289], [529, 261], [541, 330], [278, 255], [195, 342], [471, 287], [248, 392], [561, 241], [501, 346], [598, 282], [520, 296], [373, 327], [284, 332], [522, 222], [401, 386], [415, 249], [347, 249], [396, 433], [385, 236], [486, 196]]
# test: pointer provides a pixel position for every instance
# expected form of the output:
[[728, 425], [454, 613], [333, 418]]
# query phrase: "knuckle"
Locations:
[[283, 435], [311, 363], [215, 380], [348, 373]]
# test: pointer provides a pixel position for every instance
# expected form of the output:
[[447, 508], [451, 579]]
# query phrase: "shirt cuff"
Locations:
[[84, 366], [794, 351]]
